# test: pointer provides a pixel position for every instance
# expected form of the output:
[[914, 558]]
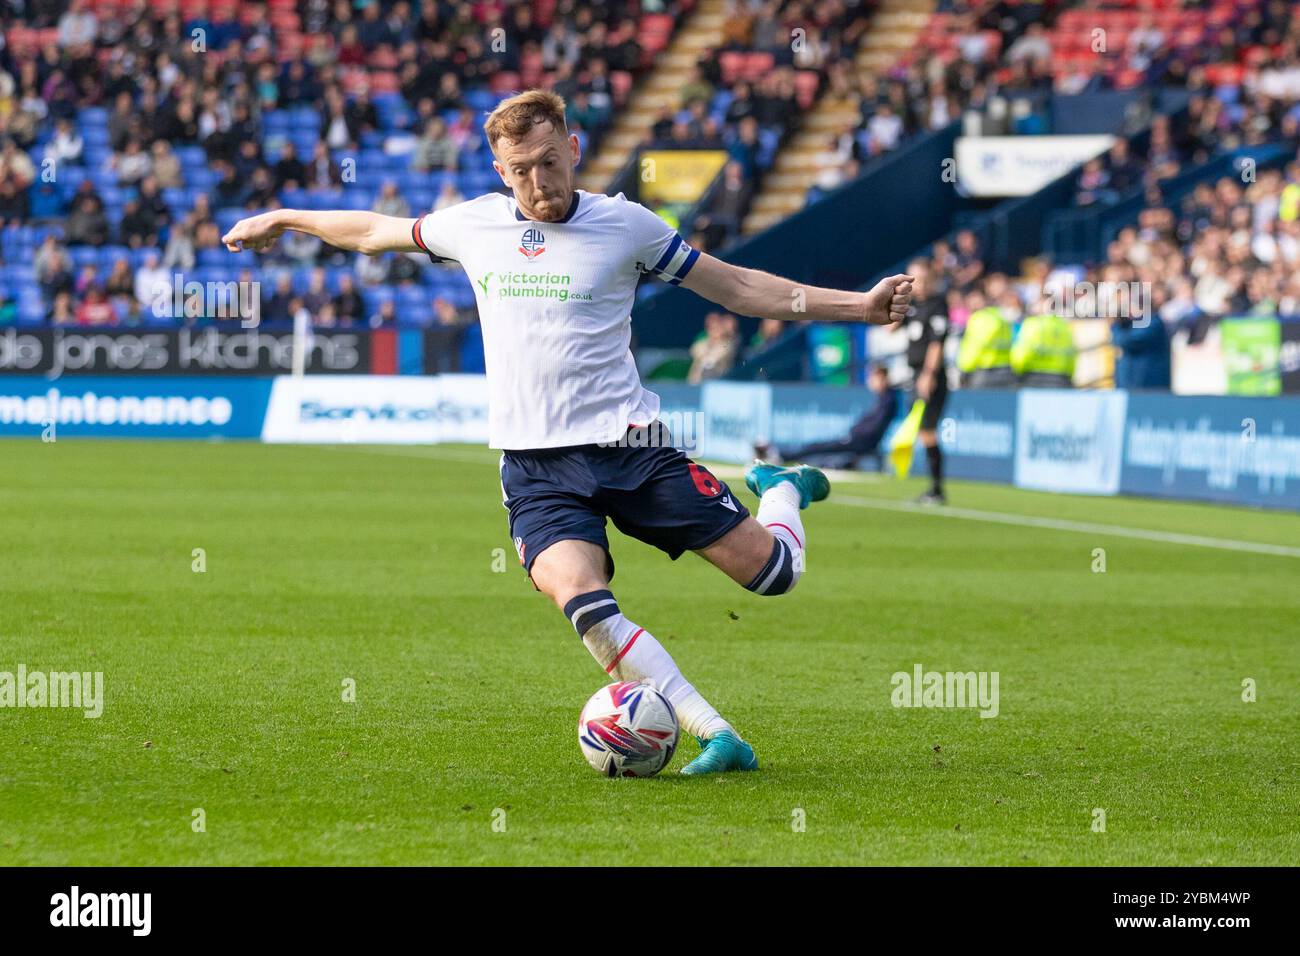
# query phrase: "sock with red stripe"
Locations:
[[778, 512], [629, 652]]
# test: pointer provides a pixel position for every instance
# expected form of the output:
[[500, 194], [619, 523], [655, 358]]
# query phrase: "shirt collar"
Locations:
[[573, 208]]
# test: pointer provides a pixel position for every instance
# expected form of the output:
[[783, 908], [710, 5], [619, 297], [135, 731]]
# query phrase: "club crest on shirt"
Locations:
[[533, 243]]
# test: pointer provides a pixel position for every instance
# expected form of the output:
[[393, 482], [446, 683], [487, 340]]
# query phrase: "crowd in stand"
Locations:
[[132, 135], [154, 143], [1229, 248]]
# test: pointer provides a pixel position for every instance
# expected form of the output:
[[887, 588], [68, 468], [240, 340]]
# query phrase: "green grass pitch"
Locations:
[[1119, 691]]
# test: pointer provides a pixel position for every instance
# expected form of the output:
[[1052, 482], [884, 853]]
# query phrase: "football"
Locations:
[[628, 729]]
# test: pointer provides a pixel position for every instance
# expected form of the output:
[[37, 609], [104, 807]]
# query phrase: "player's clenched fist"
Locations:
[[889, 300], [256, 234]]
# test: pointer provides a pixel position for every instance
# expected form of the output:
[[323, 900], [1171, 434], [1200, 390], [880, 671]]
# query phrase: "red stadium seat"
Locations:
[[731, 63], [383, 58], [1225, 74], [654, 31], [757, 65], [384, 81]]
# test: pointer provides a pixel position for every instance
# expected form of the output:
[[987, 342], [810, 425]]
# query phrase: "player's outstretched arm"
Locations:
[[765, 296], [356, 231]]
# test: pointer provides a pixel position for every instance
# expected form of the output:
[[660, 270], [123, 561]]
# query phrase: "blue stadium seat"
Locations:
[[94, 158], [31, 311], [402, 117], [226, 217], [355, 198], [334, 275], [324, 198], [83, 256], [203, 180], [412, 294], [409, 179], [191, 155], [70, 179], [484, 100], [138, 256], [299, 280], [217, 259], [102, 178], [304, 117]]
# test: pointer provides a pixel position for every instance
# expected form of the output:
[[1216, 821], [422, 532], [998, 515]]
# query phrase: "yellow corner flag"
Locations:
[[900, 452]]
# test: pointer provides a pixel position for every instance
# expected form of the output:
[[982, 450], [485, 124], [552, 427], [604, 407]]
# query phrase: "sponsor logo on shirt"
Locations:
[[513, 284]]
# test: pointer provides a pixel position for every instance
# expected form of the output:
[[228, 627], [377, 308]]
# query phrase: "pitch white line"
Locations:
[[1060, 524], [886, 504], [432, 452]]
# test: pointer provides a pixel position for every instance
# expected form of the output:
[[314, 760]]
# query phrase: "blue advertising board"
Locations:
[[131, 407], [1232, 449], [978, 436]]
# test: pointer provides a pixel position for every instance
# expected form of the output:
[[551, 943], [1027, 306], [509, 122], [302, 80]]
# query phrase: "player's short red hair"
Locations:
[[514, 118]]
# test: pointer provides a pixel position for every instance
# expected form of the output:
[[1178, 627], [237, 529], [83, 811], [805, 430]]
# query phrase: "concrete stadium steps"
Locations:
[[660, 88], [798, 163], [893, 30]]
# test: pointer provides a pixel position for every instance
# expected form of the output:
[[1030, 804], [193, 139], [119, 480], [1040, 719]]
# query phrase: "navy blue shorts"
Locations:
[[650, 490]]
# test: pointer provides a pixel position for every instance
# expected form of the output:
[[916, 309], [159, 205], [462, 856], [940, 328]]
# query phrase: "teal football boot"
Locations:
[[812, 483], [721, 752]]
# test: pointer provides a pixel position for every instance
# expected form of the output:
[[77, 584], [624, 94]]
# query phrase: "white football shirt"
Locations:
[[555, 302]]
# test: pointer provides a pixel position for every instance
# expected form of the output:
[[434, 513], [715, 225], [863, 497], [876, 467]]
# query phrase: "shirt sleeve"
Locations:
[[656, 246], [436, 233]]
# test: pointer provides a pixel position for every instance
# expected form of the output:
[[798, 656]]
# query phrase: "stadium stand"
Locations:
[[134, 134]]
